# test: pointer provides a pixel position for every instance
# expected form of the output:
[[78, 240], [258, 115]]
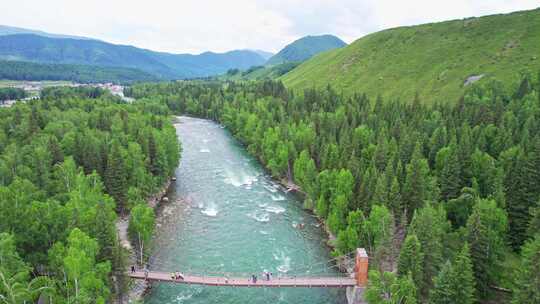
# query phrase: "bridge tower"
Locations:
[[361, 267]]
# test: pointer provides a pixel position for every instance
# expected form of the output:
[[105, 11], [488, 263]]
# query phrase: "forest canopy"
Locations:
[[70, 163]]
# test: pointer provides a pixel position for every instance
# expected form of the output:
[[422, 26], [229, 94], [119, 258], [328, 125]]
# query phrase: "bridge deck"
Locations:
[[246, 282]]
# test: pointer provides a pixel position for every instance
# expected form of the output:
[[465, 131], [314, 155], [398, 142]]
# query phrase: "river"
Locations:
[[225, 214]]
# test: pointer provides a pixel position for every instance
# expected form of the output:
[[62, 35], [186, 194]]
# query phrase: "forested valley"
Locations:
[[71, 163], [445, 197]]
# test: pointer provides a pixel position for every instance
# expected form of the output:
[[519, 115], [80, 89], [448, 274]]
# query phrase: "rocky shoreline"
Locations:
[[345, 264]]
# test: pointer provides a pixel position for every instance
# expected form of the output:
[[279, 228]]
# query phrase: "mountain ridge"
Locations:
[[42, 49], [13, 30], [306, 47]]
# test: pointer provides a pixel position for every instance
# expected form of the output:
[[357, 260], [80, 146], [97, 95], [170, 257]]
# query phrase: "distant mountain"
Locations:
[[11, 30], [437, 61], [305, 48], [38, 48], [264, 54], [20, 70]]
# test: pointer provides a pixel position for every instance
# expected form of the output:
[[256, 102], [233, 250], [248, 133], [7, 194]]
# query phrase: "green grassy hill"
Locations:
[[434, 60]]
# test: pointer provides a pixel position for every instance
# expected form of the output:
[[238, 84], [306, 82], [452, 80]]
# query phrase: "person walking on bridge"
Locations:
[[179, 276]]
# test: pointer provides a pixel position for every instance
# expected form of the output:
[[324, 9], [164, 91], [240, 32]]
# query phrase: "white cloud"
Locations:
[[220, 25]]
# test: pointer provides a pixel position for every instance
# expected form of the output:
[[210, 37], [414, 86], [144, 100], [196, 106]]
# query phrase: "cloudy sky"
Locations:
[[194, 26]]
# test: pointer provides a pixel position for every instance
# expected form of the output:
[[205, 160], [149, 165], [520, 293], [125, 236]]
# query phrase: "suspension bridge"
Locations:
[[359, 279]]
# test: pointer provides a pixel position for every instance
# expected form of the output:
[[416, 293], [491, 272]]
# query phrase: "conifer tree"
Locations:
[[451, 175], [534, 225], [380, 196], [454, 284], [438, 141], [462, 277], [429, 224], [527, 287], [56, 151], [416, 182], [442, 292], [411, 258], [485, 173], [115, 177], [485, 233], [381, 152], [531, 184], [524, 88], [154, 166], [464, 154], [367, 186], [515, 197], [394, 199]]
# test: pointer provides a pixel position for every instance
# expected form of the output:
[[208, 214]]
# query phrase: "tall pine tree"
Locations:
[[115, 177], [463, 284], [450, 180], [442, 292], [455, 282], [411, 258], [416, 182], [430, 226], [527, 287], [486, 228]]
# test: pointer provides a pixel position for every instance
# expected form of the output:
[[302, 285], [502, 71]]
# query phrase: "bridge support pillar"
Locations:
[[361, 267]]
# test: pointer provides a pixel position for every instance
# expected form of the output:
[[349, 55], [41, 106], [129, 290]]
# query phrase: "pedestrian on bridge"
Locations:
[[179, 276]]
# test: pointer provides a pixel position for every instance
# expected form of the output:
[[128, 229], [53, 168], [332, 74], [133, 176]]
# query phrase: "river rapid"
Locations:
[[226, 215]]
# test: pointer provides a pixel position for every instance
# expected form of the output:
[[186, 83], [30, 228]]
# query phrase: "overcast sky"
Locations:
[[194, 26]]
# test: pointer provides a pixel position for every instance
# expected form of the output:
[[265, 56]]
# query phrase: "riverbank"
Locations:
[[137, 289]]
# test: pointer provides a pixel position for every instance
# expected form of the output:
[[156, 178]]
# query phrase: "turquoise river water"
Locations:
[[226, 215]]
